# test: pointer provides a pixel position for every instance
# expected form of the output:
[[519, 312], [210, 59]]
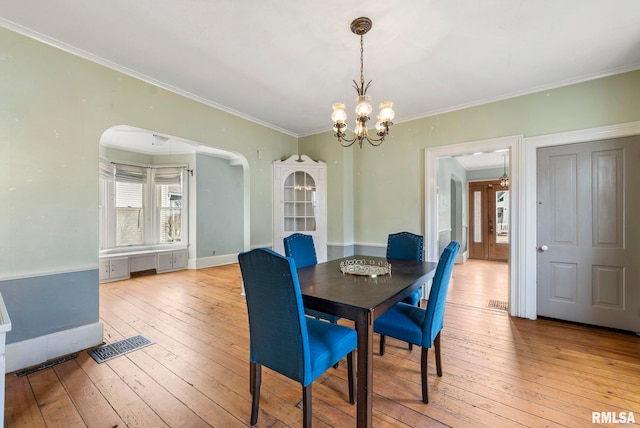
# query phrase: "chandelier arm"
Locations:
[[358, 88], [353, 140], [373, 141]]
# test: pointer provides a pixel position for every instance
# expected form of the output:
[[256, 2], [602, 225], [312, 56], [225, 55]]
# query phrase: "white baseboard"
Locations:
[[40, 349], [205, 262]]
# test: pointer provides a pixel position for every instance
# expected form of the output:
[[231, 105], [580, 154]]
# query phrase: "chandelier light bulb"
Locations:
[[339, 114], [386, 111], [364, 107]]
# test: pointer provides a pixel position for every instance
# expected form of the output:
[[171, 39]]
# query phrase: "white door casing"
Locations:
[[517, 296], [523, 251]]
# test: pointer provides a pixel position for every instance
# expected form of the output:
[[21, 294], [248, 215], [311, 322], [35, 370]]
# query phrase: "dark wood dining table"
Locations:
[[361, 299]]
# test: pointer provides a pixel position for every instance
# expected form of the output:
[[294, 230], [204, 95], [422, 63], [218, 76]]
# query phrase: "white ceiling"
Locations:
[[152, 143], [284, 63], [477, 161]]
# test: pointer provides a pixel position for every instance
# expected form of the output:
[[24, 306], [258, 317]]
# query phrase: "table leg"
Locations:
[[364, 328]]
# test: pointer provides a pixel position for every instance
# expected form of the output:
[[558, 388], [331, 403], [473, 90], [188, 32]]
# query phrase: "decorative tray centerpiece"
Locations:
[[370, 268]]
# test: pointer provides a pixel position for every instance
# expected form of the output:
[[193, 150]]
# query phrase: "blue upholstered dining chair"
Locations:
[[301, 248], [421, 326], [281, 337], [407, 246]]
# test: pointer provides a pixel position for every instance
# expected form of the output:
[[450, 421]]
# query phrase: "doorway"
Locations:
[[521, 302], [488, 220]]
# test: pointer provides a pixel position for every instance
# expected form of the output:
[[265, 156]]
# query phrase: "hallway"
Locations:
[[477, 283]]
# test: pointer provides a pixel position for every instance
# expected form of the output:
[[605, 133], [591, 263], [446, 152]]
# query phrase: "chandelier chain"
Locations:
[[361, 61]]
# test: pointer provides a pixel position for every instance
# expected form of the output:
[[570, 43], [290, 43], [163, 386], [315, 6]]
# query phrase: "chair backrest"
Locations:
[[405, 246], [278, 331], [301, 248], [438, 295]]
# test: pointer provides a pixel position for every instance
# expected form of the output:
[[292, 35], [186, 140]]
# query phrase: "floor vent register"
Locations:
[[121, 347]]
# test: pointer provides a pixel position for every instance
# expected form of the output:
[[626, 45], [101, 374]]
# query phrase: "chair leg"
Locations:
[[351, 373], [382, 344], [423, 374], [255, 379], [436, 346], [336, 365], [411, 344], [306, 406]]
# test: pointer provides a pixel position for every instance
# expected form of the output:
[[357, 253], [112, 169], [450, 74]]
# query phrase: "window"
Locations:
[[142, 206], [168, 182], [129, 213]]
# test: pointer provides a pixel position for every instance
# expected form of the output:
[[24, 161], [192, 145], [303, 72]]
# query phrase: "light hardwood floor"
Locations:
[[498, 371]]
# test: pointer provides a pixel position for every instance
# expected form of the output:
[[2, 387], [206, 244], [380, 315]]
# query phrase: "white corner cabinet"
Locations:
[[118, 266], [300, 202]]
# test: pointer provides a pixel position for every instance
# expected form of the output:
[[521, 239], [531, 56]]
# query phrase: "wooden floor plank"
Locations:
[[125, 401], [21, 408], [499, 371], [94, 409], [55, 404]]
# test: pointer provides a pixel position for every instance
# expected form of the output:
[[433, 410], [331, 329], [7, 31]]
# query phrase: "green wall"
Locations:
[[54, 107], [388, 181]]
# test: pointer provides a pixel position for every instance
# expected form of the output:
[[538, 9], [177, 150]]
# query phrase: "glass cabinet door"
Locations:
[[300, 203]]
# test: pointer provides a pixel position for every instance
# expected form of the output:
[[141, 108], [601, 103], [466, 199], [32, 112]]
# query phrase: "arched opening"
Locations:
[[188, 199]]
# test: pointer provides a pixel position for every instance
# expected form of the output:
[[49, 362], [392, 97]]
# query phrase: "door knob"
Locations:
[[543, 248]]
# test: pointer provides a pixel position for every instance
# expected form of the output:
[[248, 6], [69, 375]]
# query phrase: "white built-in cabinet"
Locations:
[[120, 265], [114, 268], [171, 261], [300, 202]]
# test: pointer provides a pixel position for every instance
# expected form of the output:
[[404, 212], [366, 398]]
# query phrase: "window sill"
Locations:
[[138, 251]]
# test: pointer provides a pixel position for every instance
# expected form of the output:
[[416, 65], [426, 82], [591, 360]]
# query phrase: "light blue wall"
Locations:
[[448, 169], [219, 202], [48, 304]]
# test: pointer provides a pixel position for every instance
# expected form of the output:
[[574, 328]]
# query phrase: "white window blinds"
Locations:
[[131, 174]]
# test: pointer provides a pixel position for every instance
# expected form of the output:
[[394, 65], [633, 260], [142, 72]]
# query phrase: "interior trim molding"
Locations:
[[30, 352], [523, 175], [212, 261], [529, 165], [518, 297], [10, 25]]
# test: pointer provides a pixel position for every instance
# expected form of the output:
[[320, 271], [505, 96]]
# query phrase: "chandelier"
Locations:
[[504, 180], [360, 27]]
